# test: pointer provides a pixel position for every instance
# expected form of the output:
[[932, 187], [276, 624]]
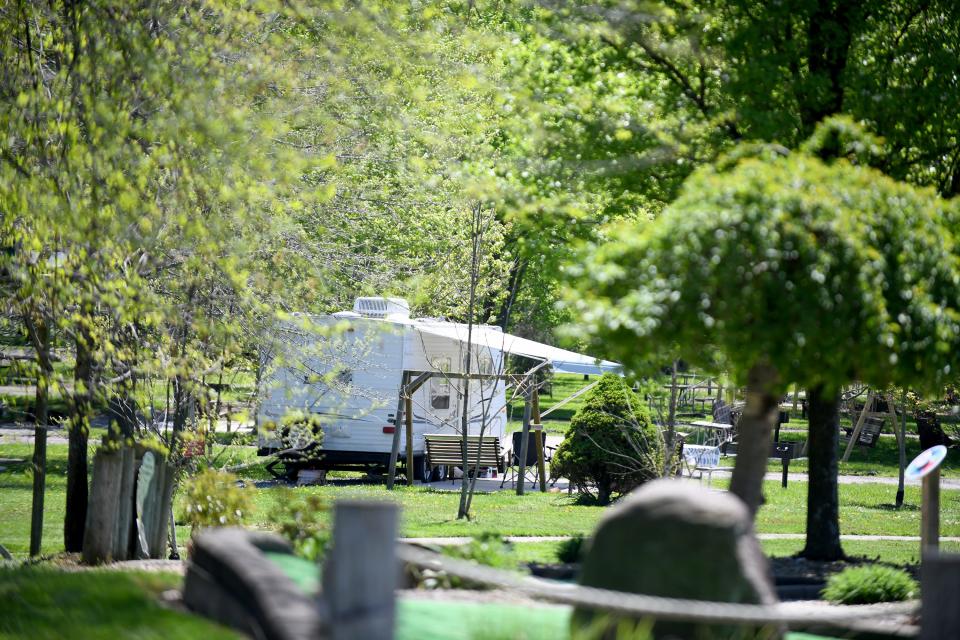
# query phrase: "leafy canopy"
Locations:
[[826, 272]]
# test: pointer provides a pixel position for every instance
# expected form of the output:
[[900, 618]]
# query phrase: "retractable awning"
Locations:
[[561, 360]]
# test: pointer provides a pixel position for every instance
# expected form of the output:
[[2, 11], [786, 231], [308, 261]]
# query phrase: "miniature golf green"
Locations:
[[457, 620]]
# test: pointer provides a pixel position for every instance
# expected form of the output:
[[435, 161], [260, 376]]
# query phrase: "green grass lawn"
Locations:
[[16, 484], [43, 603], [865, 509], [880, 460]]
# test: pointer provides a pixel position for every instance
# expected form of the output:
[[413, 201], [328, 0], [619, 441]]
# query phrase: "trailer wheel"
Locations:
[[421, 471], [438, 474]]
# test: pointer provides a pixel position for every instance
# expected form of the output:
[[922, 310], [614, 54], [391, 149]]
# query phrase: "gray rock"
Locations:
[[230, 580], [675, 539]]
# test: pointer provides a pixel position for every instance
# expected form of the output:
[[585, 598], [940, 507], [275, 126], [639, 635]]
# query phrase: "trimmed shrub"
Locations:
[[570, 551], [612, 443], [214, 499], [870, 584]]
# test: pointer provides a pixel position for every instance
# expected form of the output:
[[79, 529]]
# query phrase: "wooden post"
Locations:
[[361, 572], [538, 435], [940, 596], [408, 420], [98, 539], [153, 518], [524, 441], [121, 543], [930, 512], [165, 508], [858, 427], [395, 447]]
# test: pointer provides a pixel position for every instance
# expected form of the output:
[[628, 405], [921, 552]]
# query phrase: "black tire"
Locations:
[[438, 474], [421, 471]]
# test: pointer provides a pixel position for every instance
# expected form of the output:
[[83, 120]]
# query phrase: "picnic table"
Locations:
[[721, 432]]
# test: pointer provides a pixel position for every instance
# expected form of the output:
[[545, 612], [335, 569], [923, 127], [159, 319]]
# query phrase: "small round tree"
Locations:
[[612, 443], [799, 270]]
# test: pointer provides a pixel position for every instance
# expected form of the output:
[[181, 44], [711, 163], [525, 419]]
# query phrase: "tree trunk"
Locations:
[[41, 410], [475, 248], [517, 272], [41, 340], [604, 493], [901, 447], [829, 35], [76, 512], [755, 435], [823, 501]]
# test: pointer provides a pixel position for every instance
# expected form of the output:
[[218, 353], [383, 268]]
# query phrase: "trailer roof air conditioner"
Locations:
[[381, 307]]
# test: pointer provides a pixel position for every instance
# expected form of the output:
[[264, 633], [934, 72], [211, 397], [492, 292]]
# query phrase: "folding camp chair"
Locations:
[[702, 459], [531, 467]]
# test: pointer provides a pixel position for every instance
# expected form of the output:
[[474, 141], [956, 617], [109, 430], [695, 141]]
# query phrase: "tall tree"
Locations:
[[138, 144], [715, 73], [800, 271]]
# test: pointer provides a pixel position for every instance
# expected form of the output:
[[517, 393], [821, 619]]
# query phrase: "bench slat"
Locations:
[[447, 449]]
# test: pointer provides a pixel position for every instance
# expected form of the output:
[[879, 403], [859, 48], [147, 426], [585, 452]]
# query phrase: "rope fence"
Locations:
[[789, 614]]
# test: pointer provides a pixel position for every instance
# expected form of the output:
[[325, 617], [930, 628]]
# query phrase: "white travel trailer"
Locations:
[[346, 369]]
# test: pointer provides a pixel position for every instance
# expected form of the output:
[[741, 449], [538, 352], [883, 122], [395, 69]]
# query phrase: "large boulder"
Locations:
[[677, 540]]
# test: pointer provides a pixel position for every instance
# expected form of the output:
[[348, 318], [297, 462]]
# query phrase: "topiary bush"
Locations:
[[612, 443], [214, 499], [870, 584]]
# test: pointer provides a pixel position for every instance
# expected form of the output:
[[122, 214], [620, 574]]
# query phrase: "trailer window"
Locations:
[[440, 385], [485, 365]]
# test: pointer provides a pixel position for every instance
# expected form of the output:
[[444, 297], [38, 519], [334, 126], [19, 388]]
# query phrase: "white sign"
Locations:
[[926, 462]]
